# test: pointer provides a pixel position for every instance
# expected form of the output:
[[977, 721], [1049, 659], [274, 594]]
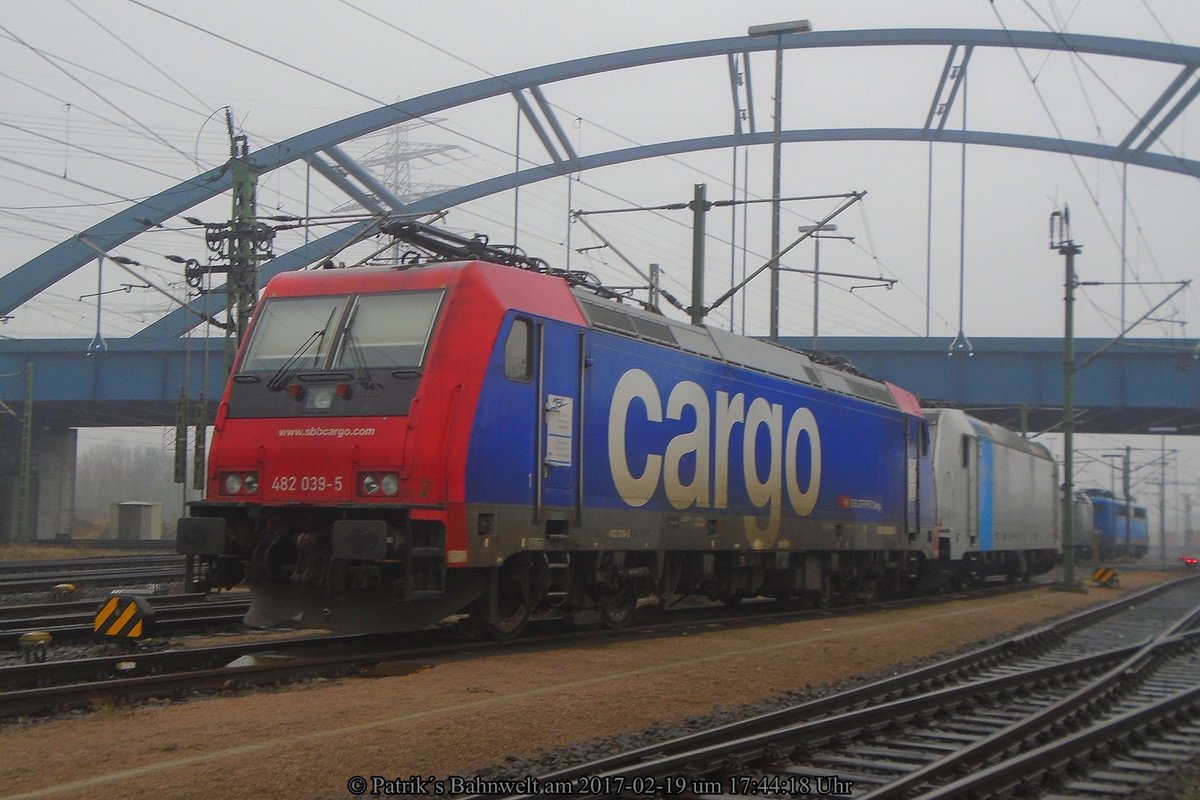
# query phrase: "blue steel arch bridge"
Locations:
[[1138, 384]]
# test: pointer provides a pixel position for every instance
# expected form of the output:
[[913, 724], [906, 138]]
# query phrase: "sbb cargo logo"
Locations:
[[788, 449]]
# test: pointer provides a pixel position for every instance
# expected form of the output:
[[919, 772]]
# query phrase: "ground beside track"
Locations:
[[456, 717], [20, 551]]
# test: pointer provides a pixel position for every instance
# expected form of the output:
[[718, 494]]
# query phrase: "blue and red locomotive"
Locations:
[[396, 445]]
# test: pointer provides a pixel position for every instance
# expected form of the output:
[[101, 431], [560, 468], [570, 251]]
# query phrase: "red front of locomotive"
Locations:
[[335, 484]]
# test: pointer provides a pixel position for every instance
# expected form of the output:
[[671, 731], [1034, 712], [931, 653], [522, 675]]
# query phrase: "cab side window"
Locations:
[[518, 361]]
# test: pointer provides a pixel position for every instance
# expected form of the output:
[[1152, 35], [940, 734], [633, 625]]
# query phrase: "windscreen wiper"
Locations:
[[360, 362], [285, 372]]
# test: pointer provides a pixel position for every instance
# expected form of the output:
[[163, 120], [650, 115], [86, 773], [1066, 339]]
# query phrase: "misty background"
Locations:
[[110, 472]]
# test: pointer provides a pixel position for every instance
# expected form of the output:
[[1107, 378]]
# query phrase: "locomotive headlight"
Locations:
[[320, 398], [378, 484], [239, 483]]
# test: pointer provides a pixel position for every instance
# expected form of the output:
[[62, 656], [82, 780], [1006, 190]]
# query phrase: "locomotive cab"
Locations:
[[997, 499], [349, 484], [328, 490]]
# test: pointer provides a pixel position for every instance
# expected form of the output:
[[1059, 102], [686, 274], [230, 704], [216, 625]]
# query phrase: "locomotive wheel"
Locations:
[[873, 591], [512, 612], [618, 607], [786, 599], [823, 597]]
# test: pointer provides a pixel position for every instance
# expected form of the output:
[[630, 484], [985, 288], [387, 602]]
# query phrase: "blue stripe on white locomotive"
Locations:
[[987, 486]]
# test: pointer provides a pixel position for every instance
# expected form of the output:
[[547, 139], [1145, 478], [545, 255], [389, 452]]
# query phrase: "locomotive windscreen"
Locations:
[[388, 330], [342, 332], [373, 343], [299, 329]]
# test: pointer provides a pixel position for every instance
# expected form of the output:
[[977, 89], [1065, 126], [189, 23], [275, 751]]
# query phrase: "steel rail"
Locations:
[[1130, 670], [168, 619], [35, 611], [51, 674], [748, 740], [152, 686], [108, 577], [85, 564], [1023, 768], [438, 643]]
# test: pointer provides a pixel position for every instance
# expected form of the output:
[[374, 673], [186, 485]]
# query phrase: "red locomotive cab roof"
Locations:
[[506, 287]]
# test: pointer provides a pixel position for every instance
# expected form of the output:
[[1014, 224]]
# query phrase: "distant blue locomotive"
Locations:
[[1121, 527]]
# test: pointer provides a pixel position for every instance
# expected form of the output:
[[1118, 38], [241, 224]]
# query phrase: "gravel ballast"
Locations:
[[511, 714]]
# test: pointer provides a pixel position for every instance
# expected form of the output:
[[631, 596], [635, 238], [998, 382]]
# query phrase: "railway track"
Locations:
[[43, 575], [83, 683], [150, 545], [1096, 705], [74, 620], [9, 568], [65, 684]]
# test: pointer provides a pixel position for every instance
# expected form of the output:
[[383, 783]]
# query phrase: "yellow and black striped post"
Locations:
[[1106, 576], [123, 617]]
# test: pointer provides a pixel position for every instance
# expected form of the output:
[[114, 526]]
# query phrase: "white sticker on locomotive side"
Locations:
[[558, 450], [560, 414], [560, 429]]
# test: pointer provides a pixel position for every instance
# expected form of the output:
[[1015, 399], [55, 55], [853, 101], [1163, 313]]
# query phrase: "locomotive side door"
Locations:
[[970, 462], [558, 358], [914, 450]]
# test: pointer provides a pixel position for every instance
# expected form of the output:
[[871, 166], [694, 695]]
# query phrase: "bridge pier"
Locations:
[[51, 488]]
